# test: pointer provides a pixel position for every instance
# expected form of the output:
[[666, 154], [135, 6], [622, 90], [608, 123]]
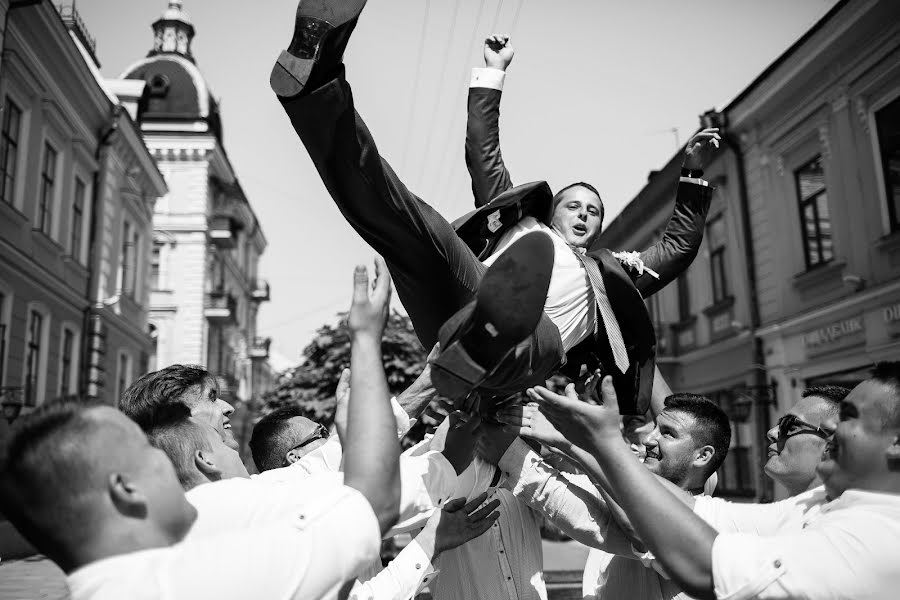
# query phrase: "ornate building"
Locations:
[[77, 189], [207, 240], [798, 280]]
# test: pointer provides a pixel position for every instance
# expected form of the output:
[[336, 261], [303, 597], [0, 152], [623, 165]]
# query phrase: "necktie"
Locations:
[[613, 332]]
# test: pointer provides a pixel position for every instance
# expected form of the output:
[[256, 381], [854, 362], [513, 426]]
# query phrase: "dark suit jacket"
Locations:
[[500, 205]]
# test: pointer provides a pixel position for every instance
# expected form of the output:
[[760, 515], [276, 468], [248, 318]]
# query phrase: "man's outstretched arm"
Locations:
[[674, 253], [490, 177], [680, 540], [371, 451]]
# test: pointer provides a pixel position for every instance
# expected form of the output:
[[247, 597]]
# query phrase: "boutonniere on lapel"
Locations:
[[494, 223], [632, 260]]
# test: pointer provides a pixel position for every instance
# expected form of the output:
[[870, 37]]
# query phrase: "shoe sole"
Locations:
[[290, 73], [508, 307]]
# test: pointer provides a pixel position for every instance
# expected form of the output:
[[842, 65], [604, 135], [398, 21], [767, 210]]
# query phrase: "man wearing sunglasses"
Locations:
[[284, 437], [798, 439]]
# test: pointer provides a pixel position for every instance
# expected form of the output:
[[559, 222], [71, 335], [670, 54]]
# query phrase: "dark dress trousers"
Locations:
[[500, 205]]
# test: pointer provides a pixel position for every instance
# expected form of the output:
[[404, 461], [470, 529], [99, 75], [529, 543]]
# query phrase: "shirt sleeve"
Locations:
[[735, 517], [404, 423], [324, 544], [486, 77], [840, 561], [401, 579], [426, 481], [576, 508]]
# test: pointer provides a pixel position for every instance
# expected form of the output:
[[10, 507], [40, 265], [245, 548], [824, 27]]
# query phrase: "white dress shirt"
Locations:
[[846, 548], [615, 569], [570, 301], [505, 562], [306, 557]]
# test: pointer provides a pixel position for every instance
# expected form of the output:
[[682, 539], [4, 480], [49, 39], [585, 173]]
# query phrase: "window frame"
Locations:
[[76, 225], [70, 387], [891, 209], [7, 298], [813, 201], [721, 292], [36, 353], [47, 190], [8, 192]]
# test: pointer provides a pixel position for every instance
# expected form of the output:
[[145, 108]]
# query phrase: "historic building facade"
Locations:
[[77, 188], [798, 279], [207, 241]]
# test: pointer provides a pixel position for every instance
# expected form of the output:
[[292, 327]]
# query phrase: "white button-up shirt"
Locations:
[[309, 556], [846, 548]]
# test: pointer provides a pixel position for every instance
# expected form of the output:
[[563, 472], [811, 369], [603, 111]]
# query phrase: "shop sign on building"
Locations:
[[835, 336]]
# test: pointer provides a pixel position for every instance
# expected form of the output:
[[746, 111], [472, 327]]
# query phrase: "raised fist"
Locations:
[[498, 52]]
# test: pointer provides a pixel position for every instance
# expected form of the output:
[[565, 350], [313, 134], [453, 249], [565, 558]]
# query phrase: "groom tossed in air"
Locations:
[[511, 291]]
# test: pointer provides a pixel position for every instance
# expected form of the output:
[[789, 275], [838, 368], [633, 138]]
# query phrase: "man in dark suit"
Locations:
[[493, 333], [573, 218]]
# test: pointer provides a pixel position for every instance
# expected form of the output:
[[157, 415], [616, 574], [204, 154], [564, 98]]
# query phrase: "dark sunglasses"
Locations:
[[321, 433], [790, 425]]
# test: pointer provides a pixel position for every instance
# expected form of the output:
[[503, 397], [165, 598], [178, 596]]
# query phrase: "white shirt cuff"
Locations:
[[485, 77], [694, 180], [404, 423]]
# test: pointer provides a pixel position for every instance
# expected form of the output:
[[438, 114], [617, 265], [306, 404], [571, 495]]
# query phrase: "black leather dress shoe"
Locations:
[[508, 306], [321, 31]]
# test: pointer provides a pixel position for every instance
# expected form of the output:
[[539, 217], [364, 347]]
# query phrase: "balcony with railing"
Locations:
[[260, 348], [260, 292], [220, 307], [223, 232]]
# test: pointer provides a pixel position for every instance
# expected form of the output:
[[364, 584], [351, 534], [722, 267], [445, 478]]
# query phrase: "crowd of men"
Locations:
[[152, 500]]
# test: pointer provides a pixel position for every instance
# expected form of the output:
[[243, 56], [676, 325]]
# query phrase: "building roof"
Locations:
[[177, 90]]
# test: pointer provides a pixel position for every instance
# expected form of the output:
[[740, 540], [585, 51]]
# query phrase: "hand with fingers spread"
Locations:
[[700, 148], [368, 314], [529, 422], [459, 447], [498, 52], [458, 522], [581, 423]]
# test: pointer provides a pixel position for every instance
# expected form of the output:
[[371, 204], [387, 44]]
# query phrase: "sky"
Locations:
[[599, 91]]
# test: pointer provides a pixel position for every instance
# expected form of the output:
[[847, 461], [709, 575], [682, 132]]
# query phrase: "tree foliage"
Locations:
[[311, 385]]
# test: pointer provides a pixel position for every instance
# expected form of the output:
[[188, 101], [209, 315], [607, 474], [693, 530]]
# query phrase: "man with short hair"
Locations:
[[283, 437], [688, 444], [843, 544], [115, 514], [796, 442], [561, 296], [191, 385]]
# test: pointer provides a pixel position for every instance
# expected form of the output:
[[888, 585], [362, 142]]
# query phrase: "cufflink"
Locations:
[[494, 222]]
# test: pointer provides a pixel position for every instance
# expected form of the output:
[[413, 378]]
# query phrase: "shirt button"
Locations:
[[777, 564], [509, 578], [418, 565], [501, 552]]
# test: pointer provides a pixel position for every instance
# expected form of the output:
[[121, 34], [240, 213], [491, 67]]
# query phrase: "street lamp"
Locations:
[[11, 401]]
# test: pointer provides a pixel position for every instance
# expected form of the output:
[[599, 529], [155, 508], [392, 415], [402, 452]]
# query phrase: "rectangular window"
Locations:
[[122, 375], [684, 298], [815, 217], [2, 336], [155, 257], [715, 235], [9, 150], [48, 187], [887, 123], [736, 472], [33, 357], [77, 219], [66, 367], [128, 262]]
